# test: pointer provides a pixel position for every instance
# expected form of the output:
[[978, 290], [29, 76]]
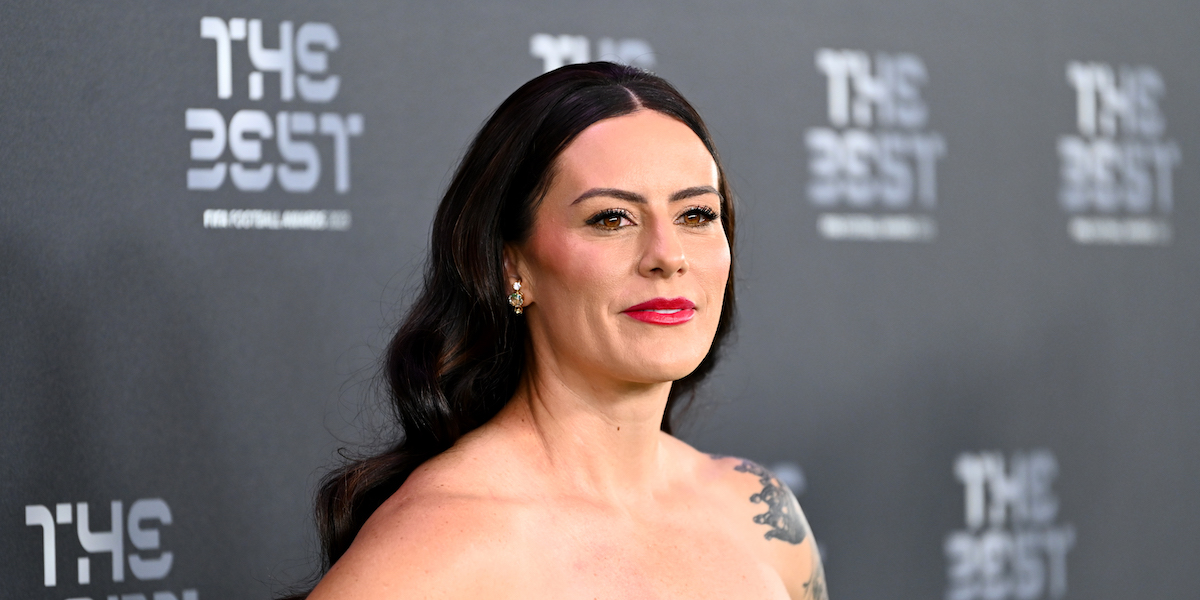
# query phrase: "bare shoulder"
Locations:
[[765, 510], [781, 517], [445, 533]]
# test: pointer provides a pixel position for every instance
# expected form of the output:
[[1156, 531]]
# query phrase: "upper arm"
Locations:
[[417, 550], [382, 566], [780, 528], [804, 574]]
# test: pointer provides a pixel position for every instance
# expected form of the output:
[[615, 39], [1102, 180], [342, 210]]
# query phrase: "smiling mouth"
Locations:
[[663, 311]]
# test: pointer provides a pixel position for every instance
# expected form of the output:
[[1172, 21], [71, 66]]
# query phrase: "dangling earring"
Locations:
[[515, 299]]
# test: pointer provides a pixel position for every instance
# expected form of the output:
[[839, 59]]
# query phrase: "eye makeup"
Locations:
[[697, 216], [610, 219]]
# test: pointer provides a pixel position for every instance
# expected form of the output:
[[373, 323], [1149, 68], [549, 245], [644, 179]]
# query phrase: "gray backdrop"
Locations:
[[968, 333]]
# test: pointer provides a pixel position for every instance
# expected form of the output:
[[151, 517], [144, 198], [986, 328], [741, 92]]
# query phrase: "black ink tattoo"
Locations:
[[783, 512], [815, 586]]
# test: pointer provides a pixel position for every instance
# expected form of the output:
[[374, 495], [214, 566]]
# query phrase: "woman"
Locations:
[[578, 288]]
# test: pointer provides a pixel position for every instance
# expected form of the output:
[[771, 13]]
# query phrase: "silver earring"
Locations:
[[515, 299]]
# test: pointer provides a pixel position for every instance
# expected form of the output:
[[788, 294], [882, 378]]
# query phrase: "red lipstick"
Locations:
[[663, 311]]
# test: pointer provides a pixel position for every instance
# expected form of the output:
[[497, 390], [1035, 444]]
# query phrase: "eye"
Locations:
[[610, 220], [697, 216]]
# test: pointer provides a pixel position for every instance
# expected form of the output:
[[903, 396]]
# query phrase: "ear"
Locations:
[[514, 270]]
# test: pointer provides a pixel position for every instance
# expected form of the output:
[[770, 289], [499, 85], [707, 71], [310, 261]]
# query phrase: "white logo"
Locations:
[[558, 50], [1118, 168], [306, 142], [874, 171], [1010, 548], [147, 561]]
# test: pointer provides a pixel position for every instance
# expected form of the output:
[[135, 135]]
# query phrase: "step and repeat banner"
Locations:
[[969, 334]]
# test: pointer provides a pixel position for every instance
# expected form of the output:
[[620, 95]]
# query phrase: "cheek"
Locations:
[[571, 271], [711, 262]]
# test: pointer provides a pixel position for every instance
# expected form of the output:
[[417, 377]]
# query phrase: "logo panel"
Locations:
[[558, 50], [251, 150], [1116, 171], [1010, 547], [132, 541], [873, 170]]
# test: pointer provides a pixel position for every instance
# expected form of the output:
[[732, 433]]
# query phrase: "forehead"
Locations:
[[644, 149]]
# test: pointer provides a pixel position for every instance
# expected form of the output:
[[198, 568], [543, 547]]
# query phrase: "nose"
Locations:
[[662, 255]]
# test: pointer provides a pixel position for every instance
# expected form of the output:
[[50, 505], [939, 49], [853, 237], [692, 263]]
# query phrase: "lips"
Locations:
[[663, 311]]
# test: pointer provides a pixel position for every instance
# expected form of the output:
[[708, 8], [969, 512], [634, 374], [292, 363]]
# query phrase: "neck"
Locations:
[[595, 440]]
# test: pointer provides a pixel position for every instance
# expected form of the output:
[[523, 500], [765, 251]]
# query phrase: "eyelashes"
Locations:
[[697, 216], [612, 219]]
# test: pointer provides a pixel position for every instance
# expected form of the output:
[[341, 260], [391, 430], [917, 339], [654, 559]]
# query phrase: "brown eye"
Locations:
[[696, 217], [610, 220]]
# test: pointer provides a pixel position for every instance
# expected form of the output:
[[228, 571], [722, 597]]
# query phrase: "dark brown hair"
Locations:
[[459, 354]]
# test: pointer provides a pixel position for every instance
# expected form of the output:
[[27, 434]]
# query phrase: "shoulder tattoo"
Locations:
[[814, 588], [783, 511]]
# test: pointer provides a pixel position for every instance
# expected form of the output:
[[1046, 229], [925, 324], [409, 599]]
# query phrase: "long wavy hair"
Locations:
[[459, 354]]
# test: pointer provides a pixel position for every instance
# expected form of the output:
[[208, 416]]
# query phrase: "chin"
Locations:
[[673, 359], [665, 367]]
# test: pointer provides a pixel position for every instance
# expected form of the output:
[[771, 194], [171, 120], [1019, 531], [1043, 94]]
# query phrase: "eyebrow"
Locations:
[[628, 196]]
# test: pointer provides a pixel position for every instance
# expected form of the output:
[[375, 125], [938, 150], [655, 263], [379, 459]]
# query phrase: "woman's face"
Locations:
[[625, 268]]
